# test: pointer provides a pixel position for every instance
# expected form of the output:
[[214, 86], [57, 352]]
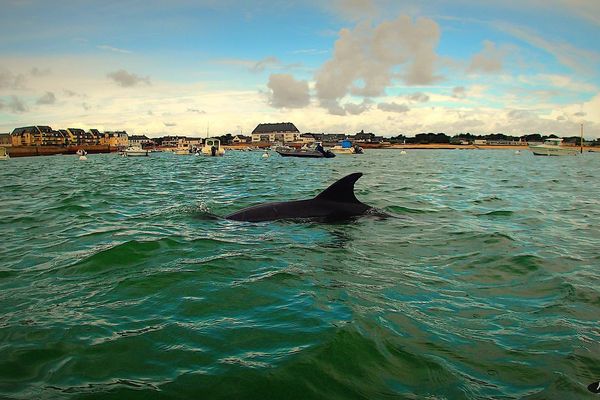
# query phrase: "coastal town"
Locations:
[[44, 140]]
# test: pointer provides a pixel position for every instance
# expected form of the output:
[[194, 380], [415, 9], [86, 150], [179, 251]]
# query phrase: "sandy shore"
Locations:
[[427, 146]]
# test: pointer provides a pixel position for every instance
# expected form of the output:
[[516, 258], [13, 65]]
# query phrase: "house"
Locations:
[[5, 139], [307, 138], [38, 135], [332, 138], [174, 141], [97, 135], [139, 140], [118, 139], [276, 132], [76, 137], [194, 142], [238, 139], [363, 137]]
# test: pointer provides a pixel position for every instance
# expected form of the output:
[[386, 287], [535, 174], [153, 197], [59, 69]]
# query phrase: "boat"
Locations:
[[135, 151], [313, 151], [182, 151], [212, 147], [346, 147], [3, 154], [552, 147]]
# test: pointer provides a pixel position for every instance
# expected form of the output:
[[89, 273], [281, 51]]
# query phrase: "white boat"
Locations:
[[346, 147], [552, 147], [3, 154], [135, 151], [212, 147]]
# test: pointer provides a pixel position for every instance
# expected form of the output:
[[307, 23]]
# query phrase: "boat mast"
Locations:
[[581, 140]]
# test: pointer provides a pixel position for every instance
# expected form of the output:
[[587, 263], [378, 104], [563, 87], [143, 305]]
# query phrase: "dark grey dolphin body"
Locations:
[[337, 202]]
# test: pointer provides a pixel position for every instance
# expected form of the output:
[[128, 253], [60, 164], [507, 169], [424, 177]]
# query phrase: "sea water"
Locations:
[[119, 280]]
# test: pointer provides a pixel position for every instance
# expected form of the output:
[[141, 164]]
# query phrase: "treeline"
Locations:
[[442, 138]]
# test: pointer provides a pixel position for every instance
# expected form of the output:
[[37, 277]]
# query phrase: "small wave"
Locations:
[[408, 210], [125, 254], [497, 213]]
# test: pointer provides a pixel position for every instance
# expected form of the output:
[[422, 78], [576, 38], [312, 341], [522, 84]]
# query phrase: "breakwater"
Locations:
[[30, 151]]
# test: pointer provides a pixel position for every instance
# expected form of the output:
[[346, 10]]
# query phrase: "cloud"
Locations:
[[393, 107], [418, 96], [287, 92], [47, 98], [580, 114], [113, 49], [489, 60], [16, 105], [520, 114], [564, 53], [366, 59], [169, 124], [35, 71], [353, 9], [8, 80], [266, 62], [356, 109], [459, 92], [194, 110], [86, 106], [126, 79]]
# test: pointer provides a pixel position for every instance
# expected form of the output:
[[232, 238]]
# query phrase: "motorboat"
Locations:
[[212, 147], [552, 147], [3, 154], [182, 151], [308, 151], [135, 151], [346, 147]]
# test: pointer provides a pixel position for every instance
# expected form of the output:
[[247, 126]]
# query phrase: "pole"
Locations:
[[581, 140]]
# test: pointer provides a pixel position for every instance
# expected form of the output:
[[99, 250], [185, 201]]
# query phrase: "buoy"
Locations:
[[82, 158], [403, 152], [517, 152], [265, 155]]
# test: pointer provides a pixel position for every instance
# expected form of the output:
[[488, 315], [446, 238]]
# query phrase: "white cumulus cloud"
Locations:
[[366, 59], [287, 92]]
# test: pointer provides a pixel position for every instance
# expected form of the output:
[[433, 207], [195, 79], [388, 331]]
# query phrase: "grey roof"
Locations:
[[138, 137], [276, 127], [33, 129]]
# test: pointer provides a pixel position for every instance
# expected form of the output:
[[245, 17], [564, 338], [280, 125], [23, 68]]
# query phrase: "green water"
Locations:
[[116, 283]]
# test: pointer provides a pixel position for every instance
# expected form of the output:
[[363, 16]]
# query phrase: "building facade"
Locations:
[[79, 137], [276, 132], [118, 139], [38, 135]]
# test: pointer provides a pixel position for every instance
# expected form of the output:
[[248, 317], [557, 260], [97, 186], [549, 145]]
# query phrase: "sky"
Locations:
[[210, 67]]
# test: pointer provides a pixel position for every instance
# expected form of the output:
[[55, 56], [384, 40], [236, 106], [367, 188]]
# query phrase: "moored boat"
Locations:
[[552, 147], [3, 154], [346, 147], [135, 151], [314, 151], [212, 147]]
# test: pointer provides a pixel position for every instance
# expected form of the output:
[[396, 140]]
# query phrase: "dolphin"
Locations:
[[337, 202]]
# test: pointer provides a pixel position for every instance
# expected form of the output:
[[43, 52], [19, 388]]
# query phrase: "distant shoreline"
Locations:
[[435, 146]]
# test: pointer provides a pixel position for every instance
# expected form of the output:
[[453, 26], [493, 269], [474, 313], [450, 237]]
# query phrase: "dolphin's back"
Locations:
[[336, 202]]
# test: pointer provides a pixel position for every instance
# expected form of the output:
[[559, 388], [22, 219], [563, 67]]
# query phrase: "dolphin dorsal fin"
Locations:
[[341, 191]]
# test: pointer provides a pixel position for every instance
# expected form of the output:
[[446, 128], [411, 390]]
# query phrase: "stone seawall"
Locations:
[[29, 151]]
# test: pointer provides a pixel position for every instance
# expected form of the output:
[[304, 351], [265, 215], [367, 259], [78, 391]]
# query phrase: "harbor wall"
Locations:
[[30, 151]]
